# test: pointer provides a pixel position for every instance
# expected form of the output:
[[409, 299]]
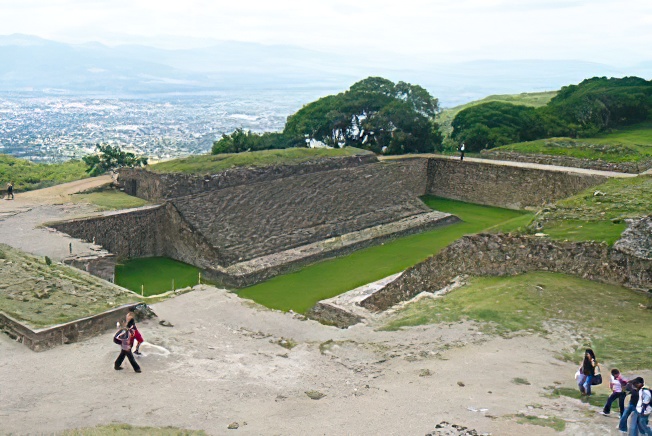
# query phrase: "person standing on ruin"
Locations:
[[462, 150], [10, 191]]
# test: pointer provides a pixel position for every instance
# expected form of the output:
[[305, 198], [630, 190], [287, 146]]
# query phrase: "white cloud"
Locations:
[[600, 30]]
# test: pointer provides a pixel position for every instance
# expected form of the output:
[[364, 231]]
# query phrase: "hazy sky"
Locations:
[[610, 31]]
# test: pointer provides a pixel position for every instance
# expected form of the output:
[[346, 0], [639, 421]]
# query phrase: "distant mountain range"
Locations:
[[29, 63]]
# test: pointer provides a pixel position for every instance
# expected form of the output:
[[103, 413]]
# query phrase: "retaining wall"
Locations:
[[503, 185], [74, 331], [159, 186], [504, 255], [568, 161]]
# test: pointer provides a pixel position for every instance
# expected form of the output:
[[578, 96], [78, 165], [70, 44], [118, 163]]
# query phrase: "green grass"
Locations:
[[212, 164], [42, 295], [110, 199], [586, 216], [596, 399], [604, 317], [27, 175], [628, 144], [129, 430], [155, 274], [553, 422], [534, 99], [300, 291]]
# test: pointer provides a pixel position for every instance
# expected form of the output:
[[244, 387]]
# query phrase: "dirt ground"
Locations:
[[223, 361]]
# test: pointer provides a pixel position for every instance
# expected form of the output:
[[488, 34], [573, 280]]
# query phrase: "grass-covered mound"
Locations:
[[28, 175], [42, 295], [598, 213], [156, 275], [604, 317], [212, 164], [627, 144], [300, 291], [109, 199]]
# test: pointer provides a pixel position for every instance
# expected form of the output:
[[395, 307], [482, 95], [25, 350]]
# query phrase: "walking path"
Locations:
[[515, 164], [21, 219]]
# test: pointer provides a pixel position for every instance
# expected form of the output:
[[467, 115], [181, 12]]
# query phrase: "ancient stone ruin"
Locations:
[[245, 225]]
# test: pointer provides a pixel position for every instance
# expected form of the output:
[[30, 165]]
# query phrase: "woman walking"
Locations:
[[587, 372]]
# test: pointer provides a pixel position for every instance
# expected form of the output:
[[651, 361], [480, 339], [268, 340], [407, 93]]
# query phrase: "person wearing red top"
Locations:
[[131, 325]]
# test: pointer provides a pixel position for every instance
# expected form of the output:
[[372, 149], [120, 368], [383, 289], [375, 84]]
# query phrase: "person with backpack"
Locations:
[[587, 372], [617, 392], [640, 417], [124, 338]]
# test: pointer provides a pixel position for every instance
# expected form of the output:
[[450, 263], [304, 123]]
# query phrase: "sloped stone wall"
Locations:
[[506, 186], [253, 220], [156, 187], [504, 255]]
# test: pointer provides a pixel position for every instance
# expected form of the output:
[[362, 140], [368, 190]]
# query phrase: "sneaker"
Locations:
[[137, 352], [138, 370], [117, 368], [604, 413]]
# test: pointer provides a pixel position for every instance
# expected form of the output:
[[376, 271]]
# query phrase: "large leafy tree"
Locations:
[[375, 114], [593, 106], [110, 157]]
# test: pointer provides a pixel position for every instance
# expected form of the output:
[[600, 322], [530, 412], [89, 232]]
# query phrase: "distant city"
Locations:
[[53, 128]]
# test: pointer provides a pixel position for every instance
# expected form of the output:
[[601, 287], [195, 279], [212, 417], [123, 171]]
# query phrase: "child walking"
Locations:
[[136, 336], [125, 338], [616, 385]]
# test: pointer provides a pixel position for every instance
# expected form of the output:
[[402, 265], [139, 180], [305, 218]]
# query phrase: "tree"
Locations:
[[374, 114], [109, 158]]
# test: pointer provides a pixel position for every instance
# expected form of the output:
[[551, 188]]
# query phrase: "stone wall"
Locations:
[[503, 185], [130, 234], [155, 187], [257, 219], [568, 161], [75, 331], [503, 255]]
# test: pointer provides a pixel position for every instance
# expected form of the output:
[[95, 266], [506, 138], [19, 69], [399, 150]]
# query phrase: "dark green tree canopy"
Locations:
[[593, 106], [374, 114], [109, 158]]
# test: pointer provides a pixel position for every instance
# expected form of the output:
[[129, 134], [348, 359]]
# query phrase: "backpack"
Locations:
[[117, 340]]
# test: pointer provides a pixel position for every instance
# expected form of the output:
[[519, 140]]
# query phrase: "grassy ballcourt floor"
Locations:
[[300, 291], [156, 275]]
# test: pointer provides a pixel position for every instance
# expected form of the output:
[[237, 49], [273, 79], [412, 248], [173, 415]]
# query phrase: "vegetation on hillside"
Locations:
[[627, 144], [597, 213], [212, 164], [594, 106], [533, 99], [109, 157], [27, 175], [548, 303], [374, 114]]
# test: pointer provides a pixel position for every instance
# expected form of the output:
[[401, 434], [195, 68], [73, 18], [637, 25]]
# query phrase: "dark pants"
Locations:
[[621, 402], [130, 356], [461, 155]]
